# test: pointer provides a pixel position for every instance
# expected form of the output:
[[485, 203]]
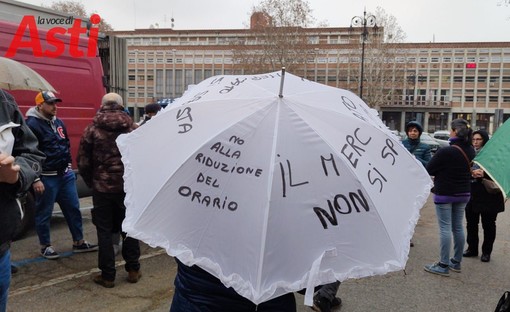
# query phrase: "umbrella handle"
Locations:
[[281, 82]]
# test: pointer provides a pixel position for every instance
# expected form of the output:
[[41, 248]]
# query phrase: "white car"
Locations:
[[442, 137]]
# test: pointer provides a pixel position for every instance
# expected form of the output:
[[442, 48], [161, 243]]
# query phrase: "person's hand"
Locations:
[[9, 171], [477, 173], [38, 187]]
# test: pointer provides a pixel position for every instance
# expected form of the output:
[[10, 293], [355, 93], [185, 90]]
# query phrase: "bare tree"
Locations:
[[78, 9], [278, 38], [383, 61]]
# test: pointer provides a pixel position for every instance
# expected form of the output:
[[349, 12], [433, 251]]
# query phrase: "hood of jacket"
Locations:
[[34, 112], [112, 117]]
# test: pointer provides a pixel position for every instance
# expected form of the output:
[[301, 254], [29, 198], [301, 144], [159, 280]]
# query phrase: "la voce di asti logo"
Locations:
[[33, 42]]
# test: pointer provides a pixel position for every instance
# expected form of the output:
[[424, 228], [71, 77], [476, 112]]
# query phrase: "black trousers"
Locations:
[[107, 215], [489, 229]]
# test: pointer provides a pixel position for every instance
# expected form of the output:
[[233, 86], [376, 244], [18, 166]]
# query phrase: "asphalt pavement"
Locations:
[[65, 284]]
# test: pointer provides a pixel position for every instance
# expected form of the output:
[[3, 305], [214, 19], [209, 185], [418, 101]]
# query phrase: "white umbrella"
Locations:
[[269, 192], [17, 76]]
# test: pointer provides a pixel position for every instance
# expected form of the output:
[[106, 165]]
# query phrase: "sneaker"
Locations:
[[454, 266], [134, 276], [49, 253], [435, 268], [98, 279], [84, 247]]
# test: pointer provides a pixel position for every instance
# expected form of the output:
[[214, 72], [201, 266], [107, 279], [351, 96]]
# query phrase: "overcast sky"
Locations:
[[422, 21]]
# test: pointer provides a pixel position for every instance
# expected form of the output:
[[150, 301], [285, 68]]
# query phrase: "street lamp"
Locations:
[[414, 78], [365, 22]]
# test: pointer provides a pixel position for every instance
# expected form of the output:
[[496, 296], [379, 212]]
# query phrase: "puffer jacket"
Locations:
[[419, 149], [99, 160], [27, 156]]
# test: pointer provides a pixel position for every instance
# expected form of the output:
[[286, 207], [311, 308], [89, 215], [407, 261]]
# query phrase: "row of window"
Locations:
[[323, 60]]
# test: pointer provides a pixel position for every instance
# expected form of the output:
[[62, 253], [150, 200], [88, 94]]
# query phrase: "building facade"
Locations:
[[429, 82]]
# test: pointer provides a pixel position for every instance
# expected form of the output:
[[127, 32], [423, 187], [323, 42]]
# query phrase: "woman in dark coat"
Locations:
[[450, 167], [482, 204]]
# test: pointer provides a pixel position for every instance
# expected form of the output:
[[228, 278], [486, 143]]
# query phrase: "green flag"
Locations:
[[493, 158]]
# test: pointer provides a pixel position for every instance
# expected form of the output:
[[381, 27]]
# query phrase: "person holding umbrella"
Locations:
[[197, 291], [451, 168], [482, 204], [20, 164]]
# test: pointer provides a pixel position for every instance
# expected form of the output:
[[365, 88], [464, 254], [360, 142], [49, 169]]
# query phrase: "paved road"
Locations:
[[65, 284]]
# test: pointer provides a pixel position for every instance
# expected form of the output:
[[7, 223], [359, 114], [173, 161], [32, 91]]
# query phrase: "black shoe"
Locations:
[[14, 269], [470, 253], [485, 258], [321, 304], [336, 302]]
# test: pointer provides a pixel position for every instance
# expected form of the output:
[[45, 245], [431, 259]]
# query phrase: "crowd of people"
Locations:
[[36, 156]]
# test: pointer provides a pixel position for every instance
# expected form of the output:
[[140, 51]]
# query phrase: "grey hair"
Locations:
[[112, 98]]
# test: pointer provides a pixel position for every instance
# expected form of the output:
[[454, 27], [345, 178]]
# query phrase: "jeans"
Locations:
[[107, 215], [62, 190], [5, 279], [450, 217]]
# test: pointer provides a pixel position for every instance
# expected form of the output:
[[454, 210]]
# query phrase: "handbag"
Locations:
[[490, 186], [504, 303]]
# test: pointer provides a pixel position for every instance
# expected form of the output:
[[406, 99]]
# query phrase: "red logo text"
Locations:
[[58, 46]]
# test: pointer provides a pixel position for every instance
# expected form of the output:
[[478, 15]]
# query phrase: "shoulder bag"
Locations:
[[490, 186]]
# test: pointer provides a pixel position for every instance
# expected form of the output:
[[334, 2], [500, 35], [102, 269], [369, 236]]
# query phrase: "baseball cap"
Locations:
[[46, 96]]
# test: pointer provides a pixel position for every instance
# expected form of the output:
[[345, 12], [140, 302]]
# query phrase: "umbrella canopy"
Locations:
[[269, 192], [17, 76], [493, 158]]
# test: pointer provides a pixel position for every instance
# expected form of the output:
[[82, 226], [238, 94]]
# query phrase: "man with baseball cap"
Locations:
[[57, 180]]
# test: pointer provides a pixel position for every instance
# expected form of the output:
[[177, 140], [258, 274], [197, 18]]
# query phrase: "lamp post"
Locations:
[[414, 78], [365, 22]]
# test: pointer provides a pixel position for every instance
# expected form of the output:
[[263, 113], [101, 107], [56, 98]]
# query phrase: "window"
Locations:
[[159, 82], [470, 79]]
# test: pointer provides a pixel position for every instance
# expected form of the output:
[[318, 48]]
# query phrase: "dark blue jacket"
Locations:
[[198, 291], [53, 140], [419, 149]]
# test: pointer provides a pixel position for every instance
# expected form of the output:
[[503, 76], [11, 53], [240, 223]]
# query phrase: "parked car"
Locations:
[[428, 139], [442, 137]]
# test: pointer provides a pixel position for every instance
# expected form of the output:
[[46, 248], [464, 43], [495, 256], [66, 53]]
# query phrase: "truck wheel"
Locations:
[[28, 221]]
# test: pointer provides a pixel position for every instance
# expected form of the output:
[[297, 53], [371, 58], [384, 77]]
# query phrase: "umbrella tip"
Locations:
[[281, 83]]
